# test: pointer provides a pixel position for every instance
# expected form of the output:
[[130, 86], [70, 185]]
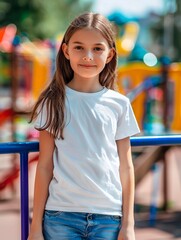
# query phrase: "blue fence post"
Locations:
[[153, 206], [24, 195]]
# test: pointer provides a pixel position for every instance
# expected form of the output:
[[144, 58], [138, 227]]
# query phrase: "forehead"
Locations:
[[88, 36]]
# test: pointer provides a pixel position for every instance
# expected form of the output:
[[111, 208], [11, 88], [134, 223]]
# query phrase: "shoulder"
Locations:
[[42, 108], [116, 96]]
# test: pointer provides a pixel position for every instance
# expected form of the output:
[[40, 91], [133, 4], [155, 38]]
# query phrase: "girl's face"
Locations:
[[88, 52]]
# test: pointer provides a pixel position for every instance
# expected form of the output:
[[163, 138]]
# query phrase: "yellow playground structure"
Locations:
[[136, 73]]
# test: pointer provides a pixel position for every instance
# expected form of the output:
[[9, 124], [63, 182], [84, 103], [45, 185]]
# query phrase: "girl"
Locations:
[[84, 187]]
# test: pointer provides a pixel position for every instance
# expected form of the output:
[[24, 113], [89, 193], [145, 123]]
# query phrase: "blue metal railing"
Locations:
[[23, 148]]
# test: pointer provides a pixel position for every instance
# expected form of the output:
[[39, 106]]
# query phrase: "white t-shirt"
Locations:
[[86, 163]]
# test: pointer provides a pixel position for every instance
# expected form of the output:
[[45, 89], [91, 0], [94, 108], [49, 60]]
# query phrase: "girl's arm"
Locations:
[[128, 186], [44, 173]]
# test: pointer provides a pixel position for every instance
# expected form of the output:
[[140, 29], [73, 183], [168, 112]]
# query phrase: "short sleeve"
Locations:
[[41, 119], [127, 125]]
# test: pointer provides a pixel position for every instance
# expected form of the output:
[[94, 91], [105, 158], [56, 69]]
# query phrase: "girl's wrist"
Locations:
[[128, 223], [36, 228], [35, 234]]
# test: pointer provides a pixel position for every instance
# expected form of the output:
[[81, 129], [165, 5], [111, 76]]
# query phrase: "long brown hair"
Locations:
[[54, 95]]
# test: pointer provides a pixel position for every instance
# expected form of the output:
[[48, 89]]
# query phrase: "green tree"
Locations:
[[167, 32], [41, 19], [177, 31]]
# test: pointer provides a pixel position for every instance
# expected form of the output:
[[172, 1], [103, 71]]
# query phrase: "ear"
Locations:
[[110, 55], [65, 50]]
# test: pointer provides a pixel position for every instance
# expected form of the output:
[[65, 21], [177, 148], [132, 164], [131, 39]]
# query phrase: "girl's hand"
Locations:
[[126, 233], [37, 236]]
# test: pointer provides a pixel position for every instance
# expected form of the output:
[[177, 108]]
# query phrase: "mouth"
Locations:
[[86, 66]]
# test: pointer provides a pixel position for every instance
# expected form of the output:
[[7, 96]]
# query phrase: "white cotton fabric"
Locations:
[[86, 163]]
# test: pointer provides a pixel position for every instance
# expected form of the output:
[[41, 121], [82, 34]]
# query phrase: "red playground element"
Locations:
[[14, 174], [5, 115]]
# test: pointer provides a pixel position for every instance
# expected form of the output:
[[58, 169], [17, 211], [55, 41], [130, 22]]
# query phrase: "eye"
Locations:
[[98, 49], [78, 47]]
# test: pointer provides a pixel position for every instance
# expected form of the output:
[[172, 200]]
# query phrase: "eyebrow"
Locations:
[[97, 44]]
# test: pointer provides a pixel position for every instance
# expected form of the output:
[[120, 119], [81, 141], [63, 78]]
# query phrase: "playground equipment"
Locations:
[[26, 68], [125, 39], [135, 79], [126, 43], [7, 34], [147, 82], [14, 174]]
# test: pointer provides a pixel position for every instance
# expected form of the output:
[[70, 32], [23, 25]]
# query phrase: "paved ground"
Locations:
[[167, 226]]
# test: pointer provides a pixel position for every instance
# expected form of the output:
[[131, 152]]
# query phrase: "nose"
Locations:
[[88, 56]]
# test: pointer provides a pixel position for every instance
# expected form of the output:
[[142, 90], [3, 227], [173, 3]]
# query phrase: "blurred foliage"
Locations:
[[41, 19], [167, 32], [177, 31]]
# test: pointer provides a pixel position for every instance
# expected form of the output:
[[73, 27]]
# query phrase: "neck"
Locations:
[[85, 85]]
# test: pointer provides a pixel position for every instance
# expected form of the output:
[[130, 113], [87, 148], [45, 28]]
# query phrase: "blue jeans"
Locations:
[[80, 226]]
